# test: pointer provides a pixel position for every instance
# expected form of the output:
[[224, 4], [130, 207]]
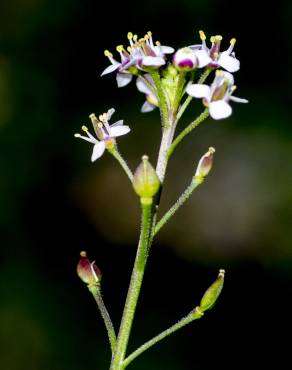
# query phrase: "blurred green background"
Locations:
[[54, 202]]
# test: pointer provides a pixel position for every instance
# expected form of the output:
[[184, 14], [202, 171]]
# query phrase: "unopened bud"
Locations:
[[205, 164], [88, 272], [146, 182], [185, 59], [212, 293]]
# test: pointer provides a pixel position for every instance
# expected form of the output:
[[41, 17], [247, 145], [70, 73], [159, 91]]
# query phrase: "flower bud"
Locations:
[[146, 182], [205, 164], [212, 293], [88, 272], [185, 59]]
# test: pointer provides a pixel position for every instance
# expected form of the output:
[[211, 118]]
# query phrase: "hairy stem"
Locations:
[[161, 97], [116, 154], [134, 289], [194, 315], [181, 200], [105, 315], [187, 130], [186, 103], [179, 90]]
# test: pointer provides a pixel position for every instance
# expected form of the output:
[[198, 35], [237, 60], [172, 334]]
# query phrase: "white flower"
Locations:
[[217, 96], [187, 59], [225, 59], [146, 85], [105, 133], [139, 54]]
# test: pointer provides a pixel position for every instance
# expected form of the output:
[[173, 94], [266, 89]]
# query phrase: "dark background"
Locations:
[[54, 202]]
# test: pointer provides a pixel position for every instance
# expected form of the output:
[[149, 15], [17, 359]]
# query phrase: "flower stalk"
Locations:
[[187, 130], [192, 316], [116, 154], [106, 317]]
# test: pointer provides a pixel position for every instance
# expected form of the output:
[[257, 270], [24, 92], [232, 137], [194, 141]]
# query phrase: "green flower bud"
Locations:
[[205, 164], [88, 272], [212, 293], [146, 182]]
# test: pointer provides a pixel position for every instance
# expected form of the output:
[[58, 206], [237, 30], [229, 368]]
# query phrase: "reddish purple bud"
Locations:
[[88, 272], [205, 164], [185, 59]]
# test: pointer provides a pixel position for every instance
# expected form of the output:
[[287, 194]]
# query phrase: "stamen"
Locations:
[[149, 33], [129, 35], [77, 135], [157, 43], [135, 38], [129, 49], [92, 116], [99, 125], [232, 41], [84, 128], [211, 150], [108, 54], [233, 88], [216, 39], [202, 35], [100, 117], [120, 48]]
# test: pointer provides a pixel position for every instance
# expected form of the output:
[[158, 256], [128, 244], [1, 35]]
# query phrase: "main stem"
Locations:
[[149, 214], [134, 289]]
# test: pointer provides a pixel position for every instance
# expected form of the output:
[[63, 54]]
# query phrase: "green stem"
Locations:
[[181, 200], [134, 289], [187, 130], [105, 315], [183, 107], [194, 315], [204, 75], [179, 90], [116, 154], [161, 97], [189, 98]]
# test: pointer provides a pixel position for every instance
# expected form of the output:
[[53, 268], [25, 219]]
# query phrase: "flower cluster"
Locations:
[[139, 55], [144, 59]]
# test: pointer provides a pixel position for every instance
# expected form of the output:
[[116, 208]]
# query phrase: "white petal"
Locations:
[[118, 123], [142, 86], [220, 109], [123, 79], [119, 130], [228, 62], [109, 114], [147, 107], [238, 100], [153, 61], [98, 150], [110, 69], [167, 49], [198, 90], [203, 58]]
